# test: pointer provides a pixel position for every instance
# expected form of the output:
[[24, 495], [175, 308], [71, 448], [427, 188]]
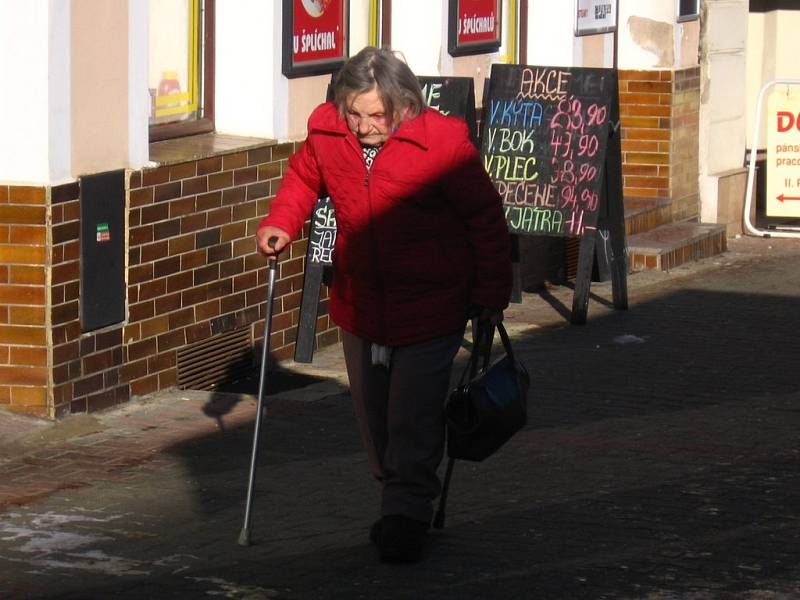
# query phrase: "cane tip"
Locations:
[[244, 538]]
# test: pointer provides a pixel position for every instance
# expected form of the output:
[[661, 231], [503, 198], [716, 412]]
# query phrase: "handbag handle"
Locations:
[[482, 350], [506, 342]]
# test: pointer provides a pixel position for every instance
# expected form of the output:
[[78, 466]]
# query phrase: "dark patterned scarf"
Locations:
[[370, 152]]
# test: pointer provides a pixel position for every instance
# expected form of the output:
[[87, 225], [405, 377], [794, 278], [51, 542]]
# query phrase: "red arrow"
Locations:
[[783, 197]]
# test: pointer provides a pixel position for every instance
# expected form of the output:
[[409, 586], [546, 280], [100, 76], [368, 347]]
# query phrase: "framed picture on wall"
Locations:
[[595, 16], [473, 26], [315, 36], [688, 10]]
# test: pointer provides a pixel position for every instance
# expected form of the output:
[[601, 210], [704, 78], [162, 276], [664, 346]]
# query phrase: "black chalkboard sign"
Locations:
[[550, 144], [452, 96], [321, 239], [322, 235], [544, 145]]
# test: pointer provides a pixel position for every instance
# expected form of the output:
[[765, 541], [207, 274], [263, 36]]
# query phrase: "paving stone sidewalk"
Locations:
[[661, 461]]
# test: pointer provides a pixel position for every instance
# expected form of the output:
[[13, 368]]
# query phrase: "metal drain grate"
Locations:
[[217, 360]]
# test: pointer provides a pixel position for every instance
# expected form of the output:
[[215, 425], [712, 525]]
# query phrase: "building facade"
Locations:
[[114, 111]]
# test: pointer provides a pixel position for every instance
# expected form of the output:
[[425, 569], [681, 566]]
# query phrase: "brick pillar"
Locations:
[[24, 373], [660, 148], [685, 145]]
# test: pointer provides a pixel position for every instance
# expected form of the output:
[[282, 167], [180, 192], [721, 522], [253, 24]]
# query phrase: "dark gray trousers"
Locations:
[[401, 419]]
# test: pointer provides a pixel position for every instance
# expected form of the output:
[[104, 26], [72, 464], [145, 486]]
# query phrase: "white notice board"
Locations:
[[783, 153], [595, 16]]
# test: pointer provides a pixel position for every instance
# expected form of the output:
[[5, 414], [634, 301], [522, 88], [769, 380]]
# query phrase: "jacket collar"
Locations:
[[413, 130]]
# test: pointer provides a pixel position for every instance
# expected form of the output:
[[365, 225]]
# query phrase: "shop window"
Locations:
[[180, 75], [688, 10]]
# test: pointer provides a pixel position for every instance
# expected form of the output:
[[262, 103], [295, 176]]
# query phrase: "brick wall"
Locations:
[[684, 149], [192, 275], [660, 122], [85, 367], [645, 111], [23, 317]]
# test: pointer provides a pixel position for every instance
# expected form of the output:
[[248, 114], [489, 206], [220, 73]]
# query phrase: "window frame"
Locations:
[[510, 32], [205, 123], [385, 23], [692, 15]]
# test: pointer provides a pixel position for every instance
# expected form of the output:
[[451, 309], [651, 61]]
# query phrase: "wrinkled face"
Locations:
[[367, 118]]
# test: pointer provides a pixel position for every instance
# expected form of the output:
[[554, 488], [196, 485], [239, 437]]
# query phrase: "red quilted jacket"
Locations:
[[420, 237]]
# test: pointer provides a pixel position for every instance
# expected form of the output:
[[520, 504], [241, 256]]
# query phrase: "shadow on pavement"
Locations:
[[660, 461]]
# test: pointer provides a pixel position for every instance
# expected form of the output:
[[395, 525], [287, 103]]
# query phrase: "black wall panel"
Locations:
[[102, 249]]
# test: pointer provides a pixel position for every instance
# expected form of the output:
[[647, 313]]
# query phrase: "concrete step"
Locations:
[[674, 244], [643, 214]]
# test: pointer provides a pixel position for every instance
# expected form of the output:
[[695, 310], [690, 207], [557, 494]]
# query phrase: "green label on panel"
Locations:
[[103, 234]]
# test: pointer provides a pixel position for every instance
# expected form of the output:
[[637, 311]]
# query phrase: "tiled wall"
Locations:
[[24, 374], [685, 145], [192, 274], [85, 367], [645, 112], [660, 123]]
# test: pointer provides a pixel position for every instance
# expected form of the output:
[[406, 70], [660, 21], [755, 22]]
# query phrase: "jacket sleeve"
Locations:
[[297, 194], [476, 201]]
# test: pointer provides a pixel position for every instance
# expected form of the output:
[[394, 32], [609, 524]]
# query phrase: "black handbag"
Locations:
[[484, 412], [487, 407]]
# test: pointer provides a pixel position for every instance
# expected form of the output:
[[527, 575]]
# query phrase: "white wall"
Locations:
[[251, 93], [424, 42], [755, 72], [59, 111], [645, 35], [723, 104], [550, 33], [138, 95], [98, 84], [359, 25], [62, 111], [650, 37], [34, 105], [595, 50], [419, 31]]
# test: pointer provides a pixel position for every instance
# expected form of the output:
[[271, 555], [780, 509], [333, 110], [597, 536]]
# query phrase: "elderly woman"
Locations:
[[422, 246]]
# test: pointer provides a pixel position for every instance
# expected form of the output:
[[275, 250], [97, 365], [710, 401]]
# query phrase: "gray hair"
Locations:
[[382, 69]]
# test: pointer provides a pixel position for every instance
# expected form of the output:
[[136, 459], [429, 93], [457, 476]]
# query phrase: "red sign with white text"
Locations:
[[478, 21], [318, 30]]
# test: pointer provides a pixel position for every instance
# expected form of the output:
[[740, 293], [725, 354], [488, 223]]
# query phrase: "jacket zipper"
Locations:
[[382, 317]]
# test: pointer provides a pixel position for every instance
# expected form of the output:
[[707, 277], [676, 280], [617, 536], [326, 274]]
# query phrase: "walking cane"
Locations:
[[244, 536]]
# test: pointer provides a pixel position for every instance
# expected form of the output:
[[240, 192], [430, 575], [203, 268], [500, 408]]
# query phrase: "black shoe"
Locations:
[[400, 539]]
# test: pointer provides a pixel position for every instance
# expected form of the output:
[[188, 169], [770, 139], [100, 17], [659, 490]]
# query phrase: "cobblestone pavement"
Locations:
[[660, 462]]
